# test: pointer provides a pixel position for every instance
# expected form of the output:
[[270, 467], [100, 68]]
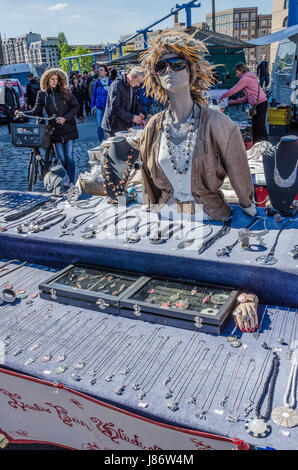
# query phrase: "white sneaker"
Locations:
[[66, 181]]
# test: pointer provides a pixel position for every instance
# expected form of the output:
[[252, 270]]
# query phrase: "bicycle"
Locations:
[[39, 165]]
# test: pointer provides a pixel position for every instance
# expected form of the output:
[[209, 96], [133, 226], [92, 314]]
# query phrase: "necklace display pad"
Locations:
[[279, 164], [189, 305], [182, 365], [119, 159]]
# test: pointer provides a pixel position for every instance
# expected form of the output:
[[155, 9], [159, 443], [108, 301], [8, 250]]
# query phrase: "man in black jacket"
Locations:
[[263, 72], [12, 103], [123, 107], [33, 88]]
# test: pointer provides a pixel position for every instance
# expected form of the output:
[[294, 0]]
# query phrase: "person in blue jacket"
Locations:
[[99, 98]]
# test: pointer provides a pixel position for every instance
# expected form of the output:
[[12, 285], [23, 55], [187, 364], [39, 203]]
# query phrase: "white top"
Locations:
[[181, 182]]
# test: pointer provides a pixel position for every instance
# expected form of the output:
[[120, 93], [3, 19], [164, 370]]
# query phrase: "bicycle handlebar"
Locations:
[[38, 117]]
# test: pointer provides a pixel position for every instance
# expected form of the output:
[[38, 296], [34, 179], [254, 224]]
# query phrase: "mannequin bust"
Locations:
[[118, 159], [281, 173], [189, 164]]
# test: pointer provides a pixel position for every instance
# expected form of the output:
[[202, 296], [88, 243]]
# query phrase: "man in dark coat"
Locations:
[[12, 103], [123, 107], [263, 72], [33, 88]]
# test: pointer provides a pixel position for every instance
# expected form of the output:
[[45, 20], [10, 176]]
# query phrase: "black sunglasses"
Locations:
[[176, 63]]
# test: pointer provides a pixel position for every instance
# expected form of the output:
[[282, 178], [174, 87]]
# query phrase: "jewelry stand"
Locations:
[[118, 162], [280, 168]]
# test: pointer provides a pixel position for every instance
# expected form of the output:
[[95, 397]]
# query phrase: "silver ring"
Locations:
[[237, 313], [245, 318]]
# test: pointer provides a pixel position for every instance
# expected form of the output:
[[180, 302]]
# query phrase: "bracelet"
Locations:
[[8, 295]]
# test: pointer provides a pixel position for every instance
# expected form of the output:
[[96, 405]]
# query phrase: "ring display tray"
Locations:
[[96, 288], [181, 304]]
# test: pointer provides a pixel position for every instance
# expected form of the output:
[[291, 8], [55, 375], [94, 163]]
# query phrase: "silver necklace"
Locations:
[[291, 347], [232, 416], [203, 411], [67, 353], [233, 377], [187, 151], [173, 405], [281, 182], [157, 374], [114, 350], [151, 360], [150, 341], [51, 342], [174, 384], [80, 366], [130, 350], [194, 396]]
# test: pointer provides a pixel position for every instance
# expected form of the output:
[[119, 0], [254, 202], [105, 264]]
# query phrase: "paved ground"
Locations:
[[14, 161]]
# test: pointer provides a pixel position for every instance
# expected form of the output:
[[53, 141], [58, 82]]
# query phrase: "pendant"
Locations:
[[173, 406], [285, 417], [46, 358], [141, 395], [120, 390], [61, 370], [201, 415], [136, 386], [61, 358], [34, 347], [269, 260], [109, 378], [80, 366], [169, 394], [92, 381], [191, 401], [257, 428], [29, 361], [206, 300], [236, 344]]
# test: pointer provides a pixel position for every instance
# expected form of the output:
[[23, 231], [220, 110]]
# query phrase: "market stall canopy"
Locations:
[[288, 33], [130, 58], [213, 39]]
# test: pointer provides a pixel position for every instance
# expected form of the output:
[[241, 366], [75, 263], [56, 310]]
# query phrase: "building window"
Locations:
[[286, 4]]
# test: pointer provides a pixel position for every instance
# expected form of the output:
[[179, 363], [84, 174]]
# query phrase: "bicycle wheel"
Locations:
[[32, 171]]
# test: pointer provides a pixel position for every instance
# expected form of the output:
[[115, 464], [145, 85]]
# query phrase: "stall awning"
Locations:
[[287, 33]]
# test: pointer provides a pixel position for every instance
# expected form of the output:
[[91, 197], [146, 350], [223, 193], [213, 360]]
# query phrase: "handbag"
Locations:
[[253, 111]]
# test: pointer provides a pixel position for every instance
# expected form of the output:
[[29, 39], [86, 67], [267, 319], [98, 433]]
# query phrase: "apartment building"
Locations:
[[1, 52], [244, 24], [280, 13], [44, 52], [31, 48], [15, 50]]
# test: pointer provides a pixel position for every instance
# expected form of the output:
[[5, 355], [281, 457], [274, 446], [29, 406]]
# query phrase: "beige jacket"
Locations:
[[219, 152]]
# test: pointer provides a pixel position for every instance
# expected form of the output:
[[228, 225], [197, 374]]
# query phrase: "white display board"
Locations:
[[35, 411]]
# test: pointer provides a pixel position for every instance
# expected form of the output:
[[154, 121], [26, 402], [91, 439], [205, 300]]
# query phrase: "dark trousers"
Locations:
[[259, 131]]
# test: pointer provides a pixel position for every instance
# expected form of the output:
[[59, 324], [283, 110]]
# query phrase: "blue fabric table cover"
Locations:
[[157, 409], [276, 285]]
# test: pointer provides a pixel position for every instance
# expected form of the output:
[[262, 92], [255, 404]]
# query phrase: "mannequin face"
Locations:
[[173, 81]]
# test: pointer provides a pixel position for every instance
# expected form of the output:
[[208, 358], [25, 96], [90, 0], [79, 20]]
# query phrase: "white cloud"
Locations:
[[58, 6]]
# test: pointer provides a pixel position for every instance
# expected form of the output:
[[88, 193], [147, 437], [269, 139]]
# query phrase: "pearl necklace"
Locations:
[[188, 144]]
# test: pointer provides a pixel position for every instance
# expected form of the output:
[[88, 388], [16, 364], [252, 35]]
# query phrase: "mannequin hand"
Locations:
[[246, 315], [251, 210]]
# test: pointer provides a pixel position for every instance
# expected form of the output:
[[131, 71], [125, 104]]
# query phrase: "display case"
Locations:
[[96, 288], [188, 305]]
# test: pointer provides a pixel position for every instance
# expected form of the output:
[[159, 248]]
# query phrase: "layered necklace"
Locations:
[[288, 182], [180, 156]]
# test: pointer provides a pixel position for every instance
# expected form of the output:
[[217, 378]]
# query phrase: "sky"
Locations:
[[96, 21]]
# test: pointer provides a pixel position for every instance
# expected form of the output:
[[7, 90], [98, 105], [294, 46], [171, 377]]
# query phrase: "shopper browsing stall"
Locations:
[[123, 108], [255, 96], [189, 149]]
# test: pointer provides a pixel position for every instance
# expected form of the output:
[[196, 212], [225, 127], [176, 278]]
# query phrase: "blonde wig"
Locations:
[[182, 44]]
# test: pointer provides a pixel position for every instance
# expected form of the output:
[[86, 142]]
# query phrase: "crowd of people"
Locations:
[[119, 101]]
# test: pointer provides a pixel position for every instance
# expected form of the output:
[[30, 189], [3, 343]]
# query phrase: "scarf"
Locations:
[[105, 83]]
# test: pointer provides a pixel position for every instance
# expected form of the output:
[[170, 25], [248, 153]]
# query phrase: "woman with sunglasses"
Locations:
[[188, 150]]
